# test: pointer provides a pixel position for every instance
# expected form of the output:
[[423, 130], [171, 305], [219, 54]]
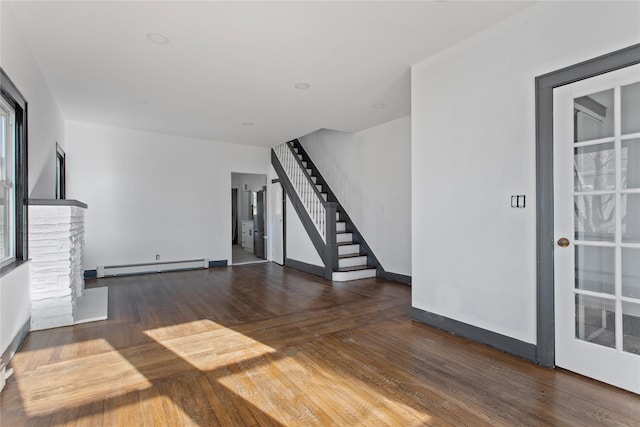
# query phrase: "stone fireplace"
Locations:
[[56, 246]]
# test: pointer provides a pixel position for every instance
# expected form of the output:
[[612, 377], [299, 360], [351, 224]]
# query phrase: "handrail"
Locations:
[[308, 193], [299, 208]]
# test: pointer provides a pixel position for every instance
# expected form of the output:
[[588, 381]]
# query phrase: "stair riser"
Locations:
[[348, 249], [339, 276], [341, 226], [352, 262], [344, 237]]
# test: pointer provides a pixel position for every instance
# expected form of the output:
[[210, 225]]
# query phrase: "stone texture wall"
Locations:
[[56, 240]]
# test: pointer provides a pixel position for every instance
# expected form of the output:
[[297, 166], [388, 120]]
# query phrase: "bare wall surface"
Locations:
[[473, 146], [369, 172], [46, 124], [153, 194], [14, 304]]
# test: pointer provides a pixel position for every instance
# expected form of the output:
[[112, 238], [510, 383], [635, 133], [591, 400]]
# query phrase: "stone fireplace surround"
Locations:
[[56, 246]]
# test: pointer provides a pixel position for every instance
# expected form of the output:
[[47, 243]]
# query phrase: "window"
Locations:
[[13, 174], [60, 173], [7, 183]]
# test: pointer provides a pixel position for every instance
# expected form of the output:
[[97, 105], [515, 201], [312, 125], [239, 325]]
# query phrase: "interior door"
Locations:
[[277, 231], [258, 226], [597, 227]]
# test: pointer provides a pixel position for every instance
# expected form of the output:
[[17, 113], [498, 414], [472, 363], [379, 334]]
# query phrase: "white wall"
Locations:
[[473, 145], [369, 172], [45, 122], [299, 244], [15, 306], [152, 193], [45, 127]]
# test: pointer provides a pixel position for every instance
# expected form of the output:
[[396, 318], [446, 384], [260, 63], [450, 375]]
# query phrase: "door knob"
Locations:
[[563, 242]]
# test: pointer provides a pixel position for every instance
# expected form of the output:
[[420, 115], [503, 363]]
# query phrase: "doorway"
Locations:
[[597, 223], [234, 216], [248, 214], [278, 227], [588, 310]]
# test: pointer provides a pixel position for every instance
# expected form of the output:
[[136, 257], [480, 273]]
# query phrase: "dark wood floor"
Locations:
[[263, 345]]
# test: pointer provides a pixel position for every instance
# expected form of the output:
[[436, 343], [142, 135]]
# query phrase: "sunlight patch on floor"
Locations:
[[214, 349], [181, 329], [66, 384], [294, 393]]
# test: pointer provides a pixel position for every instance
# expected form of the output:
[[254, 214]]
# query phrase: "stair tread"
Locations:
[[344, 232], [346, 243], [355, 268]]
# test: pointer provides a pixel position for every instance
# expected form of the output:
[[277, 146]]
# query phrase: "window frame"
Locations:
[[61, 173], [7, 179], [12, 96]]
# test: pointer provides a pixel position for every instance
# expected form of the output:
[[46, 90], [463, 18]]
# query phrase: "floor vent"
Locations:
[[153, 267]]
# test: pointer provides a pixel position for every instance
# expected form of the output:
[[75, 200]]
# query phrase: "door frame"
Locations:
[[284, 220], [545, 348]]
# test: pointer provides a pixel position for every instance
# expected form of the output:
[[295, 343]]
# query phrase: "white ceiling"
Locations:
[[228, 63]]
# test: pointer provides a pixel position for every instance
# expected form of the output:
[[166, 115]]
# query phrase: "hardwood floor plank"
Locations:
[[229, 409], [529, 388], [186, 403], [263, 345]]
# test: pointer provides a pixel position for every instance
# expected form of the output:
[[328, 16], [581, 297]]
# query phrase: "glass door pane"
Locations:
[[597, 202]]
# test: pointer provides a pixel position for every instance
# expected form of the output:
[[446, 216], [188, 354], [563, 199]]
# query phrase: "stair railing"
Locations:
[[322, 213], [309, 194]]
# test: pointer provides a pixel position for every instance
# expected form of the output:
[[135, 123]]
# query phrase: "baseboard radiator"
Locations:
[[152, 267]]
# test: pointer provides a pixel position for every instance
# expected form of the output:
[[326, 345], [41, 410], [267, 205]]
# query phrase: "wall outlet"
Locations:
[[157, 257]]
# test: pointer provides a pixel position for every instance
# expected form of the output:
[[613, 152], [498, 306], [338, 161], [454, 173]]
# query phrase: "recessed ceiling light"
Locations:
[[378, 106], [140, 101], [302, 86], [157, 38], [247, 124]]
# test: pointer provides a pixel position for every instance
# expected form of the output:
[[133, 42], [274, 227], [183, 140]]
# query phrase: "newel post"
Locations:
[[331, 247]]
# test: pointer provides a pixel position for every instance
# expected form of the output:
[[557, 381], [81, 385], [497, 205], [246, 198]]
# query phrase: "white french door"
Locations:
[[597, 227]]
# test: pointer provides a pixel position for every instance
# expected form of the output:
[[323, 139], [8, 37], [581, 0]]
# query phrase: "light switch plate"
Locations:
[[518, 201]]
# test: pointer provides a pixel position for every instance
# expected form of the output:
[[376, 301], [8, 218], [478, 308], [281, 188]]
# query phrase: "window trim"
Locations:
[[14, 98], [61, 173], [7, 181]]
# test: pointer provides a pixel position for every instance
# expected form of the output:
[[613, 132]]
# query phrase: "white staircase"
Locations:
[[352, 265]]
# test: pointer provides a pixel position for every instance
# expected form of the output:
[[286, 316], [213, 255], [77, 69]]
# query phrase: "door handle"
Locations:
[[563, 242]]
